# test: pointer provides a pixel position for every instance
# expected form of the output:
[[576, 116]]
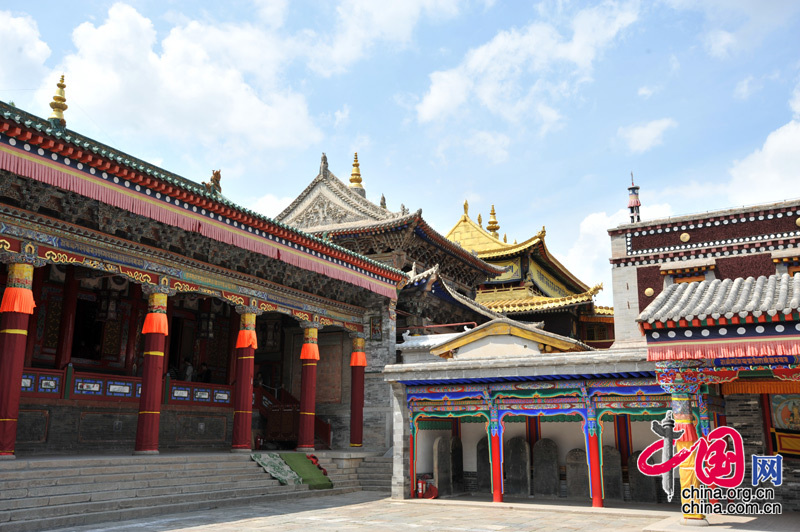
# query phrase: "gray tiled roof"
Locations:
[[725, 298]]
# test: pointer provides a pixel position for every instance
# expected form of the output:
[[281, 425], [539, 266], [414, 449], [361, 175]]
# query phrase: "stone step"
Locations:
[[34, 487], [377, 459], [346, 484], [218, 459], [374, 476], [160, 506]]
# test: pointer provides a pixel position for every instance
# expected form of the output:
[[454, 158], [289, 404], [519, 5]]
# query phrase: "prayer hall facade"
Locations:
[[117, 273]]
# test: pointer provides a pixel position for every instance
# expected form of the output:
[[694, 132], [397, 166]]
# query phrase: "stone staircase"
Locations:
[[342, 472], [375, 473], [49, 493]]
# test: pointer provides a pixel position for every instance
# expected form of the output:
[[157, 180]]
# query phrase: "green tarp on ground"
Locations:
[[311, 474], [277, 467]]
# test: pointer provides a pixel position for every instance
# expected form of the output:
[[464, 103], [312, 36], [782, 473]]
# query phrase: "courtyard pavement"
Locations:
[[375, 512]]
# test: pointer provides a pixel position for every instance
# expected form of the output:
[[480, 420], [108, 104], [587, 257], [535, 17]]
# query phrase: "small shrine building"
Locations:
[[535, 285]]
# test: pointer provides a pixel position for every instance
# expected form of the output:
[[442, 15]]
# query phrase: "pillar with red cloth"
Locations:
[[591, 433], [66, 329], [246, 345], [358, 363], [682, 413], [309, 357], [496, 456], [155, 330], [15, 309]]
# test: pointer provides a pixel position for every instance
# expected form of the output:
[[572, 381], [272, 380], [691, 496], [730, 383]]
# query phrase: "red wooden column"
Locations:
[[246, 344], [155, 331], [309, 356], [595, 469], [496, 454], [67, 328], [358, 363], [15, 309], [39, 275]]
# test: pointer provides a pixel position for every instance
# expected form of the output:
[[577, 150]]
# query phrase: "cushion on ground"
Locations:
[[310, 473]]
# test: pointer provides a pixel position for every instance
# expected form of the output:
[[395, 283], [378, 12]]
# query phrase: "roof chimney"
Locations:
[[633, 202]]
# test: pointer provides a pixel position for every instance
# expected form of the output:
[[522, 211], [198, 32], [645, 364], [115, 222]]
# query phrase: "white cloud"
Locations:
[[519, 69], [770, 173], [642, 137], [24, 54], [200, 84], [645, 91], [674, 64], [272, 12], [490, 144], [746, 88], [341, 116], [270, 205], [361, 24], [589, 254], [794, 102], [732, 26]]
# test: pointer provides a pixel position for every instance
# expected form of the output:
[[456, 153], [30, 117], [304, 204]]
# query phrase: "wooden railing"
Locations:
[[69, 384]]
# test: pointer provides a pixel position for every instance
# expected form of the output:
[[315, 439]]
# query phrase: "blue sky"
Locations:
[[540, 108]]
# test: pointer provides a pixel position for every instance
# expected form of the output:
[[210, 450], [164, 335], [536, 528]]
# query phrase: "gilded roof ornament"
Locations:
[[355, 176], [59, 105], [466, 207], [505, 238], [383, 201], [213, 186], [493, 226], [480, 220]]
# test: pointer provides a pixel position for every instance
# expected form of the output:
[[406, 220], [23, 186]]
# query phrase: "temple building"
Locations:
[[135, 302], [535, 285], [443, 276], [712, 299]]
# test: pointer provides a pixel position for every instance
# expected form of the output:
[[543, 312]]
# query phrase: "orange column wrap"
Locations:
[[15, 309], [155, 330], [309, 355], [358, 363], [246, 344]]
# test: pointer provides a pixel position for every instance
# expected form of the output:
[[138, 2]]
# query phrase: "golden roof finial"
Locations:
[[493, 226], [58, 105], [480, 220], [355, 176], [466, 208], [505, 238]]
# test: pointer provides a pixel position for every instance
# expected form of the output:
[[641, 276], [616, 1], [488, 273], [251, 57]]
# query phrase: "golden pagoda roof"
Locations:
[[472, 237], [521, 299]]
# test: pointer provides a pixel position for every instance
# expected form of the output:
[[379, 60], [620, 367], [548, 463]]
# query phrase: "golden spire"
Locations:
[[493, 226], [480, 220], [355, 176], [58, 105], [505, 238], [466, 208]]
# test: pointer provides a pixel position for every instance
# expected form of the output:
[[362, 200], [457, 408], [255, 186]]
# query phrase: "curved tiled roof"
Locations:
[[193, 189], [535, 303], [415, 278], [603, 311], [726, 298]]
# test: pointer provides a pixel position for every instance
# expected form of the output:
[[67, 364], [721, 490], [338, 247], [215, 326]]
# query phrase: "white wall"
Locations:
[[471, 434], [566, 435], [641, 435], [425, 440]]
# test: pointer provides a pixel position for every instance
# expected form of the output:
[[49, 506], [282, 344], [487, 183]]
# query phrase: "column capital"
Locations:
[[244, 309], [10, 257], [149, 289], [310, 325]]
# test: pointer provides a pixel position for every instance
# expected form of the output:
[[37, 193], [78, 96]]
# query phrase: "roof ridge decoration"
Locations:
[[95, 170], [328, 201], [59, 105]]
